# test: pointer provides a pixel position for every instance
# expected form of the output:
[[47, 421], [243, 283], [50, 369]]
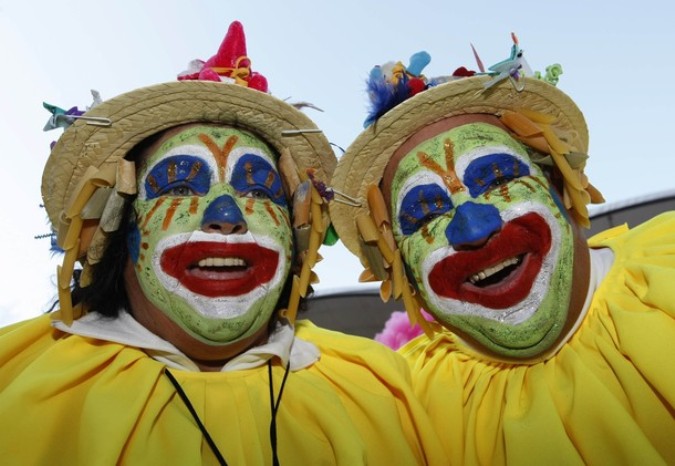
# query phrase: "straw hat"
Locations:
[[143, 112], [363, 164]]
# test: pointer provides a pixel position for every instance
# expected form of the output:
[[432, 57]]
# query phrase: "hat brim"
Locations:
[[141, 113], [364, 162]]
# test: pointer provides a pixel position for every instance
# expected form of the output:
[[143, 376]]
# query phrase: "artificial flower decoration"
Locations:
[[229, 64], [392, 83], [398, 330]]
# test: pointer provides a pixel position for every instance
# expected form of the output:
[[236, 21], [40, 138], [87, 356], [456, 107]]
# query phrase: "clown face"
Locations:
[[211, 244], [484, 235]]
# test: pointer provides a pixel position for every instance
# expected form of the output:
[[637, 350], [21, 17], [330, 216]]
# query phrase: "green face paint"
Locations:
[[212, 240], [485, 238]]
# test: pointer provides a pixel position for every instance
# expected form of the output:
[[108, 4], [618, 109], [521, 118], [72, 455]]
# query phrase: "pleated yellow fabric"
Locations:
[[69, 400], [606, 398]]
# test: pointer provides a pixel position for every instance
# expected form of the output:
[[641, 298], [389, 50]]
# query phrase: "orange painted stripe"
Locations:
[[250, 202], [171, 171], [220, 154], [426, 235], [159, 202], [451, 175], [194, 204], [194, 170], [270, 210], [170, 212]]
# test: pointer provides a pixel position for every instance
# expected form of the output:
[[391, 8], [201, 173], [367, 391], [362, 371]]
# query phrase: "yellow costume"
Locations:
[[607, 397], [68, 399]]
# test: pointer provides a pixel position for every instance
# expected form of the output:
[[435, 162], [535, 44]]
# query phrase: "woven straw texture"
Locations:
[[146, 111], [364, 161]]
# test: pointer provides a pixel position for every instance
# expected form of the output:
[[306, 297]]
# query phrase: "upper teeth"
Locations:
[[221, 262], [492, 270]]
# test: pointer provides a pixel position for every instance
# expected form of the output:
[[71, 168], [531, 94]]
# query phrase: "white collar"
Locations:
[[125, 330]]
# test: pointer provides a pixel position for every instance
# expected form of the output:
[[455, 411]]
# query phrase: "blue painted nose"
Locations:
[[473, 224], [224, 216]]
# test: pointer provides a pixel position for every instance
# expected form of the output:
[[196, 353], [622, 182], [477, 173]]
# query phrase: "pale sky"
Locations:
[[617, 59]]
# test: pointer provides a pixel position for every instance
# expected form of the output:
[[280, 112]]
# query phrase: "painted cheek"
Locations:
[[417, 247], [557, 203], [161, 217], [269, 219]]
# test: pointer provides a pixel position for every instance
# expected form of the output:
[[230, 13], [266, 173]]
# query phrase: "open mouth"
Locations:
[[495, 274], [219, 269], [501, 273]]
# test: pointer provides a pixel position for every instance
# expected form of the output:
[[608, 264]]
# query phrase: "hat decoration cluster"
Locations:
[[392, 83], [230, 63]]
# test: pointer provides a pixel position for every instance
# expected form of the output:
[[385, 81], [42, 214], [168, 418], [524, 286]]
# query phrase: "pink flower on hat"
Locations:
[[229, 64]]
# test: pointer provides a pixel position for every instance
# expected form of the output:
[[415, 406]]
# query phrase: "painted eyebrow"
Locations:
[[448, 175], [220, 154]]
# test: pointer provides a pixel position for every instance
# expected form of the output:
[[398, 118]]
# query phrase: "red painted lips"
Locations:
[[527, 238], [246, 266]]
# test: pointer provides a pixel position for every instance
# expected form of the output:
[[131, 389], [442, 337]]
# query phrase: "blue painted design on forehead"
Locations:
[[178, 171], [490, 171], [253, 173], [422, 204]]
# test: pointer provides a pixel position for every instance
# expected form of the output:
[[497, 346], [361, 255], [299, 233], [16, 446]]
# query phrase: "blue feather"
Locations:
[[383, 95], [55, 248]]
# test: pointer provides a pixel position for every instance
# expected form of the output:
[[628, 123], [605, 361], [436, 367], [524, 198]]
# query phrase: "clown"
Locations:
[[191, 210], [468, 200]]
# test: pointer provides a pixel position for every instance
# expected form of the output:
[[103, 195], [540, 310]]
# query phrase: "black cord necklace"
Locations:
[[274, 407]]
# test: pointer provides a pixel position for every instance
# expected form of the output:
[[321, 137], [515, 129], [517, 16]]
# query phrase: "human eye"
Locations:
[[421, 205], [499, 180], [181, 190], [257, 193]]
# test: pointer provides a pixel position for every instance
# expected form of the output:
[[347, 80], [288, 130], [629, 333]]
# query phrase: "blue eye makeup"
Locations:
[[178, 175], [421, 205], [493, 170], [255, 177]]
